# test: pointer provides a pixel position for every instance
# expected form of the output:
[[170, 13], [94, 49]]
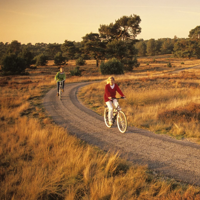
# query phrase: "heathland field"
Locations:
[[165, 102], [40, 160]]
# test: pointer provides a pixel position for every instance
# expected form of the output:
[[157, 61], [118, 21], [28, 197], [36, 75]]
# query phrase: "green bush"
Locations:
[[113, 66], [59, 59], [27, 56], [41, 59], [12, 64], [76, 71], [130, 64], [169, 64], [80, 61]]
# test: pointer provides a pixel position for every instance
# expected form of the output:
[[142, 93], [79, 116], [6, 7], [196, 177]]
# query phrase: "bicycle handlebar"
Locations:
[[118, 98]]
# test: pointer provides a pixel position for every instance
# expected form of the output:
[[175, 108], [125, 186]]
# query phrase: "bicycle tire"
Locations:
[[60, 93], [106, 117], [122, 122]]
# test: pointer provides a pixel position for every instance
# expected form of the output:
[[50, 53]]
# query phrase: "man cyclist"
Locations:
[[60, 76]]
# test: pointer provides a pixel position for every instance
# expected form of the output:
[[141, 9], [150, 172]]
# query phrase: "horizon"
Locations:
[[72, 41], [56, 21]]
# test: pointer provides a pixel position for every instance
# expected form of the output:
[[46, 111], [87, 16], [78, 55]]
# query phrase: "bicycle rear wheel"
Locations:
[[106, 117], [121, 122], [60, 93]]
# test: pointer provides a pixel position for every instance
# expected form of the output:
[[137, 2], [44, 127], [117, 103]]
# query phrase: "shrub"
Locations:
[[76, 71], [41, 59], [169, 64], [130, 64], [27, 56], [59, 59], [80, 61], [12, 64], [113, 66]]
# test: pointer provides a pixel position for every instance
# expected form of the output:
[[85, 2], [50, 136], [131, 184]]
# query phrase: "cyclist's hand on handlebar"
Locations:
[[124, 97]]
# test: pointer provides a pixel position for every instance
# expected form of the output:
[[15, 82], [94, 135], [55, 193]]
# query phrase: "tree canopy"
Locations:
[[13, 64], [125, 28], [187, 48], [59, 59], [14, 47], [69, 50], [93, 46], [195, 33], [53, 49], [141, 47], [151, 47]]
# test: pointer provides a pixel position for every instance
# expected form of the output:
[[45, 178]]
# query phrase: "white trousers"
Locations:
[[110, 108]]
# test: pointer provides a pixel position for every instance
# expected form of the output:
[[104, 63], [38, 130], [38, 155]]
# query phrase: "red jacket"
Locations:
[[109, 92]]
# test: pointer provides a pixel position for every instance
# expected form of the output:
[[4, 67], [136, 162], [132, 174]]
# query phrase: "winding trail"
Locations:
[[172, 158]]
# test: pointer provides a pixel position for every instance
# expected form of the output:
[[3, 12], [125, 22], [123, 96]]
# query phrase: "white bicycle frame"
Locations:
[[119, 116]]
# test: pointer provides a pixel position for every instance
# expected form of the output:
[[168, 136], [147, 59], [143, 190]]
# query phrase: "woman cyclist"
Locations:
[[110, 92]]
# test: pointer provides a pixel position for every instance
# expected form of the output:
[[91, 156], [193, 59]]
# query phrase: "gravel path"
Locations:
[[162, 154]]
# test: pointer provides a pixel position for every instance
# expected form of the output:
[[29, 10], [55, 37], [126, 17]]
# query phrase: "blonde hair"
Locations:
[[111, 77]]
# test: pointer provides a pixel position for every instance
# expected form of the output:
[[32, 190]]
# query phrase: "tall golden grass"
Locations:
[[39, 160], [47, 163], [150, 100]]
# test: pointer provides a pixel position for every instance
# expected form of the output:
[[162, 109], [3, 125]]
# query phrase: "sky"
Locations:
[[54, 21]]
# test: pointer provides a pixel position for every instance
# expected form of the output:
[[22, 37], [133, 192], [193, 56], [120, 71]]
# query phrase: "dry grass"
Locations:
[[159, 63], [46, 163], [39, 160], [162, 103]]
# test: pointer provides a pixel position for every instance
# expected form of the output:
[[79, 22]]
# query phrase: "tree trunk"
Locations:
[[97, 63]]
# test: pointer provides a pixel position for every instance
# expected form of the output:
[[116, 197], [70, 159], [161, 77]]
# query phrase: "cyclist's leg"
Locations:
[[110, 110], [63, 85], [115, 103], [58, 85]]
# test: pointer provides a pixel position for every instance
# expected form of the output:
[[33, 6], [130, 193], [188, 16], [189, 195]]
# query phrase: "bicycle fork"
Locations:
[[114, 115]]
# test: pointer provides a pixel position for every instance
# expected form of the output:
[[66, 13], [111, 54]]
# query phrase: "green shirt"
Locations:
[[60, 76]]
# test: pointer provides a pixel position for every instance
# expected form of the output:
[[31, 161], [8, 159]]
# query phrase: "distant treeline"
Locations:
[[180, 47], [116, 40]]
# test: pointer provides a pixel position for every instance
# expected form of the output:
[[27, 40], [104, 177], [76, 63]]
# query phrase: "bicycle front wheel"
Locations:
[[106, 117], [121, 122]]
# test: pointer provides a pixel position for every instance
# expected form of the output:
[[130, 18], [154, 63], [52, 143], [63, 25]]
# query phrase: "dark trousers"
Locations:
[[58, 85]]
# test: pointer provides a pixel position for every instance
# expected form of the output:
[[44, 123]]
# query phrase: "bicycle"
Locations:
[[119, 115], [61, 86]]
